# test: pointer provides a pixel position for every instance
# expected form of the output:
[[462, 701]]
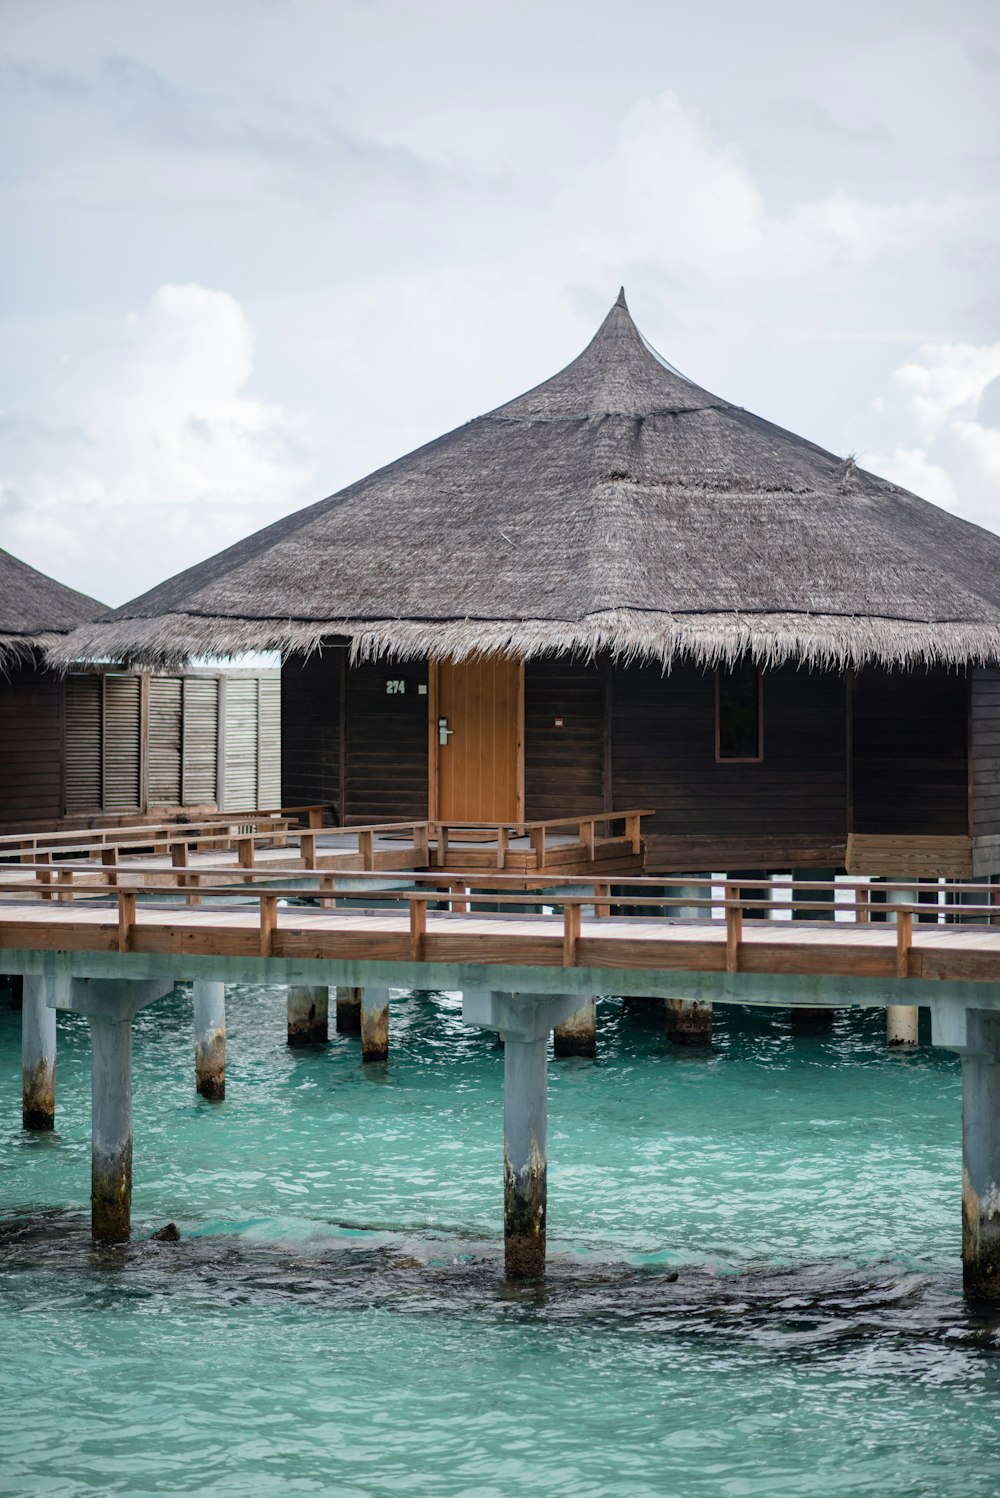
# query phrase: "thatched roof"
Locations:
[[615, 507], [36, 611]]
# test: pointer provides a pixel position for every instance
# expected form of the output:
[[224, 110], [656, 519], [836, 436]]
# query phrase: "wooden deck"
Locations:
[[256, 924]]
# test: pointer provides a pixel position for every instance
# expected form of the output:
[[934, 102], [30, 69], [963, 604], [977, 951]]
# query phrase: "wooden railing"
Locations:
[[728, 901], [243, 832]]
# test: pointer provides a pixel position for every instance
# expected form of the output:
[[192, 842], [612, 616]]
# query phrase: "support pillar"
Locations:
[[525, 1020], [374, 1024], [110, 1005], [981, 1158], [902, 1021], [348, 1011], [578, 1036], [111, 1139], [525, 1157], [210, 1040], [38, 1056], [307, 1015], [820, 886], [688, 1022], [975, 1035]]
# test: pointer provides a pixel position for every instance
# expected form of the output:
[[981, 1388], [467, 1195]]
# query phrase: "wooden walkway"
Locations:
[[262, 927]]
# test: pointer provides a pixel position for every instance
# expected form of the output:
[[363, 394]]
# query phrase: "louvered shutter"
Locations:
[[241, 744], [83, 743], [164, 769], [121, 743], [269, 743], [201, 740]]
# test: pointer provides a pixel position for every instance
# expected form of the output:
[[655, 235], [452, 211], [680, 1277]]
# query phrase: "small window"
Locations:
[[738, 716]]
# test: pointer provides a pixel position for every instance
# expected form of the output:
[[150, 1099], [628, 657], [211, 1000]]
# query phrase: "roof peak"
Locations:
[[621, 302]]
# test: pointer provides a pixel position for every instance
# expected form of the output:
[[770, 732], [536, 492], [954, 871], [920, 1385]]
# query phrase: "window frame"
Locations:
[[741, 759]]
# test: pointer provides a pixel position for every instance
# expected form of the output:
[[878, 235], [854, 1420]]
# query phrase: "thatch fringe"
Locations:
[[22, 650], [813, 640]]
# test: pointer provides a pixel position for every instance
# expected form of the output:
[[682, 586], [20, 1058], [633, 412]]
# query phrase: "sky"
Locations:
[[254, 249]]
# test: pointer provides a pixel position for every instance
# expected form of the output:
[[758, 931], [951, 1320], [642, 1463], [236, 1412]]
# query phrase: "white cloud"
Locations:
[[173, 457], [954, 458]]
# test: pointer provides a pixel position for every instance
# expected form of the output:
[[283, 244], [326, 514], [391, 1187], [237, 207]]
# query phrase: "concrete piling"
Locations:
[[688, 1022], [981, 1156], [374, 1024], [348, 1007], [38, 1056], [210, 1040], [111, 1139], [525, 1128], [578, 1035], [902, 1021], [308, 1022]]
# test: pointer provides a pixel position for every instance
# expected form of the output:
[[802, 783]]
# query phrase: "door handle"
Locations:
[[444, 732]]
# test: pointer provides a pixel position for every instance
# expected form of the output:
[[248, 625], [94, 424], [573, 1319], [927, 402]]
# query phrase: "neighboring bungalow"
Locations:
[[121, 745], [619, 590]]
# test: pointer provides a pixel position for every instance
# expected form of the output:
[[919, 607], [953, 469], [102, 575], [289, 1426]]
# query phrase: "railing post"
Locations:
[[126, 918], [734, 930], [366, 847], [537, 840], [587, 837], [418, 928], [862, 905], [421, 843], [572, 922], [602, 906], [307, 849], [904, 941], [503, 843], [633, 831], [442, 845], [268, 921]]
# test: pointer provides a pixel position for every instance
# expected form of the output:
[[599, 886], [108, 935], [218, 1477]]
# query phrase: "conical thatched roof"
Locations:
[[615, 507], [36, 611]]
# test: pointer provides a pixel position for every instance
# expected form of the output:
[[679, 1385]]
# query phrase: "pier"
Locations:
[[530, 953]]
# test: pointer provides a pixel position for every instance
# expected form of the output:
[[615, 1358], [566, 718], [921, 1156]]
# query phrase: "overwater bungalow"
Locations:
[[110, 744], [621, 590]]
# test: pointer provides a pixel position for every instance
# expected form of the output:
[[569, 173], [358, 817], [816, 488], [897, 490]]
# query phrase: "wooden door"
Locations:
[[479, 774]]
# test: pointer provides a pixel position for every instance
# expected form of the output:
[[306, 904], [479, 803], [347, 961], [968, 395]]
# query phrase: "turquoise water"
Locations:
[[754, 1284]]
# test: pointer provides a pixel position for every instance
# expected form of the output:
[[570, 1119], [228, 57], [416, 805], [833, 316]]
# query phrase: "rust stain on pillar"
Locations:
[[348, 1011], [210, 1065], [111, 1195], [375, 1031], [578, 1035], [524, 1196], [308, 1022], [688, 1022], [38, 1095]]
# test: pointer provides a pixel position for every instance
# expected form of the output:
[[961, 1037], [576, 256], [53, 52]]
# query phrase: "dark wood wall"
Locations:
[[792, 806], [349, 743], [386, 743], [911, 752], [31, 746], [632, 737], [564, 767], [985, 756], [310, 728]]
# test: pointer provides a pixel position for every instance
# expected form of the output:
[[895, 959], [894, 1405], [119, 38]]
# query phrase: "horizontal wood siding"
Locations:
[[310, 728], [30, 745], [985, 721], [563, 767], [911, 752], [386, 743], [663, 757]]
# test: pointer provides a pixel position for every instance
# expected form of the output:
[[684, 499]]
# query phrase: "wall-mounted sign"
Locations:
[[559, 722], [396, 686]]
